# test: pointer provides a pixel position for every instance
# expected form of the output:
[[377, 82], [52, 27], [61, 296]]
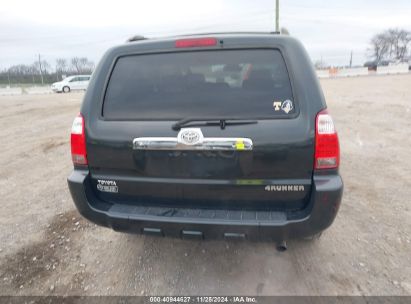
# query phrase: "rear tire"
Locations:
[[66, 89]]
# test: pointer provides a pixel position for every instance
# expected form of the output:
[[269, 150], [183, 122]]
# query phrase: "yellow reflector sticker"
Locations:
[[239, 145], [249, 182]]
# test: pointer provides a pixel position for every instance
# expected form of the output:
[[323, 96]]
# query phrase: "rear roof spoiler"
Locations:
[[140, 37]]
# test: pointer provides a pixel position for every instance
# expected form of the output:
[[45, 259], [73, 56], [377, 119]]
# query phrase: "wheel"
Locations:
[[66, 89], [313, 237]]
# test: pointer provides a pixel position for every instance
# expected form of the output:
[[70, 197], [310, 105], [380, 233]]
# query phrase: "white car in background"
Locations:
[[75, 82]]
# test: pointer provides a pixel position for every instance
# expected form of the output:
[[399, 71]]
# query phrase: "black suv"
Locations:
[[207, 136]]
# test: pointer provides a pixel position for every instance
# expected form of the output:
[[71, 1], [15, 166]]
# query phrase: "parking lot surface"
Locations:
[[46, 248]]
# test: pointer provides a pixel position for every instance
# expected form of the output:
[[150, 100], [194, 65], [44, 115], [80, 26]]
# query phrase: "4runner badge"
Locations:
[[284, 188]]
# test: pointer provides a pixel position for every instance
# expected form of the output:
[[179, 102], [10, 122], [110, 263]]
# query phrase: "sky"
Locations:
[[330, 30]]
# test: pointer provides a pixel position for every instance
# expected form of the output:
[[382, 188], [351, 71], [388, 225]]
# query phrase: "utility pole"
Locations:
[[277, 16], [41, 70], [8, 76], [351, 60]]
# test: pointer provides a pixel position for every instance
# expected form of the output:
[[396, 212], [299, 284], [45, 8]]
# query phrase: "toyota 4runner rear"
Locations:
[[215, 136]]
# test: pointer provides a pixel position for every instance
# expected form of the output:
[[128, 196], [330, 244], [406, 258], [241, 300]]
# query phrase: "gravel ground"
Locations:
[[46, 248]]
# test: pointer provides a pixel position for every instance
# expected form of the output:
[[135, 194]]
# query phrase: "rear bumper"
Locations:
[[212, 224]]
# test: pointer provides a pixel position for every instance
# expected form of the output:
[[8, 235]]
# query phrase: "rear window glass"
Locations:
[[172, 86]]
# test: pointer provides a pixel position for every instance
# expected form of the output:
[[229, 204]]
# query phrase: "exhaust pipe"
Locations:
[[282, 246]]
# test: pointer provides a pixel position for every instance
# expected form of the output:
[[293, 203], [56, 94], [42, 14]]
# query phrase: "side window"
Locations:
[[74, 79]]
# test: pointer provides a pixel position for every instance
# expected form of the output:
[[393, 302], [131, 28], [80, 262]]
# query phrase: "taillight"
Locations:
[[78, 141], [327, 149], [199, 42]]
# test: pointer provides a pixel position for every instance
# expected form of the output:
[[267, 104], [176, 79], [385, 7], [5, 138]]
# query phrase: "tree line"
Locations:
[[42, 72], [392, 45]]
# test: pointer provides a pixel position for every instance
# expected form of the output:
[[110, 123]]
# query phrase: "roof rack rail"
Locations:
[[136, 38]]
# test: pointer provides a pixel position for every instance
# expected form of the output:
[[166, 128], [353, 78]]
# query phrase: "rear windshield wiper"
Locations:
[[222, 122]]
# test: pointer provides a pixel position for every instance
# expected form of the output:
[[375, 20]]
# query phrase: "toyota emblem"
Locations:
[[190, 136]]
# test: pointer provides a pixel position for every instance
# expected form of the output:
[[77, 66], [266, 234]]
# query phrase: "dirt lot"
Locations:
[[47, 248]]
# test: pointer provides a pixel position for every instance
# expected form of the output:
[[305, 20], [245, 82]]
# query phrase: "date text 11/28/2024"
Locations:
[[203, 299]]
